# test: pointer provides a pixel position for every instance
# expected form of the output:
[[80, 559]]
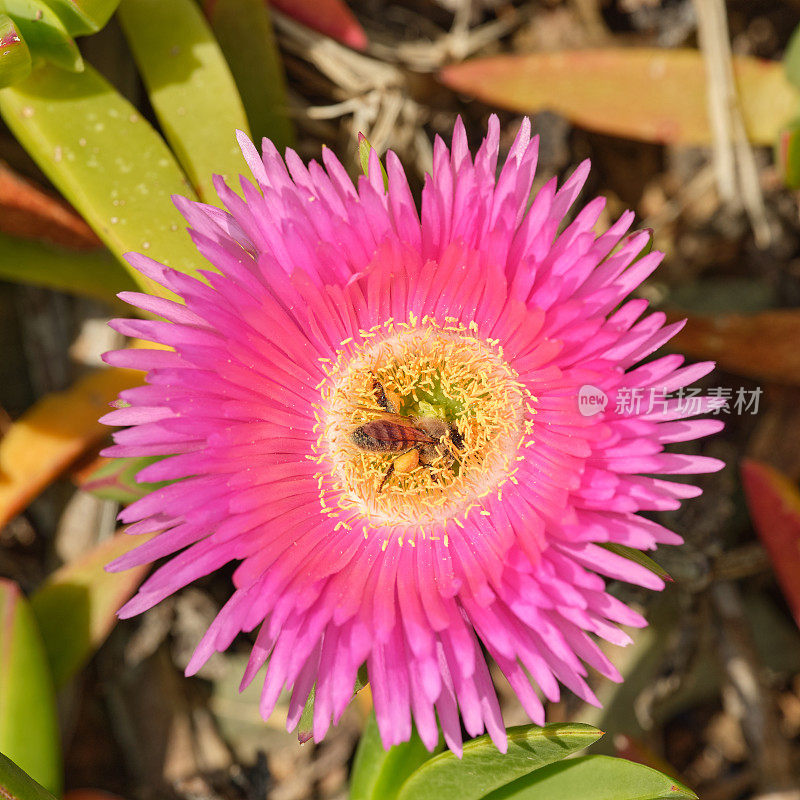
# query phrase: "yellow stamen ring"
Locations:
[[444, 370]]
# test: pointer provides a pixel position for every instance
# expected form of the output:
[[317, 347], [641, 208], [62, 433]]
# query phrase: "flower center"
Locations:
[[419, 422]]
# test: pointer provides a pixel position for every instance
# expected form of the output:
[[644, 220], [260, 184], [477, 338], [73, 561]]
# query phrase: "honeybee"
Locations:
[[417, 440]]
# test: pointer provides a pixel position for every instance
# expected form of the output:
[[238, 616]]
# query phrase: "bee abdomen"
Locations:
[[387, 437]]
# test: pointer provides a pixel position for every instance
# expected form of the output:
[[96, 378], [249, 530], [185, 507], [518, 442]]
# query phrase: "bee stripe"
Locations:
[[384, 436]]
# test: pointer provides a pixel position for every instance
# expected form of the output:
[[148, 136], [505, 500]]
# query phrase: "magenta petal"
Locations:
[[318, 281]]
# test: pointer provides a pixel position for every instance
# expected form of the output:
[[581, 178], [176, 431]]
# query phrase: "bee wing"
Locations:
[[389, 433], [397, 429]]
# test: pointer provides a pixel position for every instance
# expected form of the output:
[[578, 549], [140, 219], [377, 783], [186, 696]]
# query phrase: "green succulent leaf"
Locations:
[[378, 774], [76, 607], [791, 58], [364, 150], [483, 768], [788, 155], [639, 557], [304, 727], [93, 273], [28, 724], [44, 33], [244, 32], [16, 784], [190, 86], [594, 778], [107, 161], [15, 57], [116, 480], [82, 17]]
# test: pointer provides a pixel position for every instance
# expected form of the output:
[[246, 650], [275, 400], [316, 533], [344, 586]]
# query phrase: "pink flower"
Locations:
[[481, 327]]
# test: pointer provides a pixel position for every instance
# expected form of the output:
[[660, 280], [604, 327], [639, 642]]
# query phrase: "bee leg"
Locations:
[[455, 437], [387, 400], [386, 477]]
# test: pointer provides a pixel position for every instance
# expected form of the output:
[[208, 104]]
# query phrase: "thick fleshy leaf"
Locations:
[[28, 725], [115, 479], [483, 768], [791, 58], [76, 607], [639, 557], [304, 727], [788, 155], [83, 16], [107, 161], [594, 778], [45, 234], [190, 86], [16, 784], [378, 774], [331, 17], [244, 32], [656, 95], [44, 33], [774, 503], [29, 211], [364, 150], [761, 346], [94, 273], [53, 433], [15, 57], [633, 749]]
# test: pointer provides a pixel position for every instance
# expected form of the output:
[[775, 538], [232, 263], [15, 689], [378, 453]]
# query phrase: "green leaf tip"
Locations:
[[365, 150], [15, 57], [82, 17], [483, 768], [44, 33], [594, 777], [637, 556], [16, 784]]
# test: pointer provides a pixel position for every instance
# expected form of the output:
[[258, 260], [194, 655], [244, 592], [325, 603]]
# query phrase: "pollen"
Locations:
[[442, 379]]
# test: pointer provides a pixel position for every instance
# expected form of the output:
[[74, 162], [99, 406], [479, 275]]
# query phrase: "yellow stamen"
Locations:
[[425, 368]]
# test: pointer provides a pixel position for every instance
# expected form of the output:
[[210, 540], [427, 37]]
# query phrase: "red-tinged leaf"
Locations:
[[115, 478], [29, 212], [52, 434], [44, 33], [788, 155], [331, 17], [76, 607], [774, 503], [655, 95], [90, 794], [28, 725], [760, 346], [15, 57]]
